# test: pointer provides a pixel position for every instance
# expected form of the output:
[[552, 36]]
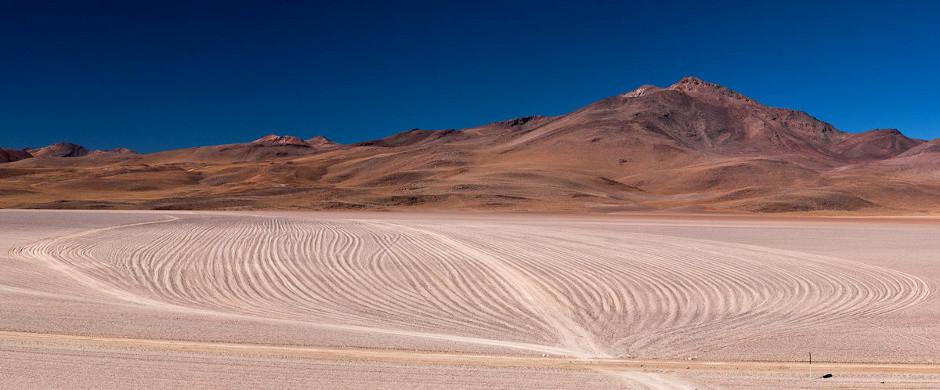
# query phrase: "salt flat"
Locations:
[[441, 300]]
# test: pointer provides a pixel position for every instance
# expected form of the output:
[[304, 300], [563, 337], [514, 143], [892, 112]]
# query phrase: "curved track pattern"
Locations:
[[579, 292]]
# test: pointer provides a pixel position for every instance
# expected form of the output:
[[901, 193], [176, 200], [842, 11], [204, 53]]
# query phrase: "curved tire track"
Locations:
[[571, 291]]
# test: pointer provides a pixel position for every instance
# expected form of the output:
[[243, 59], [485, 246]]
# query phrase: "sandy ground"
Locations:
[[358, 300]]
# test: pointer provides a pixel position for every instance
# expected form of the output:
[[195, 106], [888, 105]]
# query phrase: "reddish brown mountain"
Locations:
[[322, 143], [280, 140], [921, 161], [693, 145], [116, 152], [926, 148], [65, 150], [318, 143], [695, 116], [268, 147], [409, 138], [9, 155], [875, 144], [61, 149]]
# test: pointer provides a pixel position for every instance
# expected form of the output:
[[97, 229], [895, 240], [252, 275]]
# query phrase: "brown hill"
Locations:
[[921, 161], [875, 145], [116, 152], [61, 149], [8, 155], [409, 138], [928, 147], [280, 140], [693, 145], [70, 156], [322, 143], [266, 148]]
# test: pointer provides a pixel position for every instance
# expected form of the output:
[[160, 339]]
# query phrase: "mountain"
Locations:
[[921, 161], [409, 138], [115, 152], [61, 149], [691, 146], [322, 143], [875, 145], [265, 148], [51, 154], [10, 155], [280, 140], [317, 143]]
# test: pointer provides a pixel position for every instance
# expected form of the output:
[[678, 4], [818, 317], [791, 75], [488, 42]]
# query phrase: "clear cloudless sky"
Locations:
[[158, 75]]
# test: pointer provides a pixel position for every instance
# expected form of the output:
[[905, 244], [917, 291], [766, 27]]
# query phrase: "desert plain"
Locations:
[[268, 299]]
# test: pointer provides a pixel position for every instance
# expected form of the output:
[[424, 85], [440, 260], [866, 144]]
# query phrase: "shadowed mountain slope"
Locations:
[[10, 155]]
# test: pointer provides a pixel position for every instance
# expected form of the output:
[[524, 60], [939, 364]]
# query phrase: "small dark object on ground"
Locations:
[[827, 376]]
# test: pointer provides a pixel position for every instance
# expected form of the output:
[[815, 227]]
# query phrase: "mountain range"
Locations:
[[694, 146]]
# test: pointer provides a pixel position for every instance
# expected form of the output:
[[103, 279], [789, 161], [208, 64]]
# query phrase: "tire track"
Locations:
[[560, 290]]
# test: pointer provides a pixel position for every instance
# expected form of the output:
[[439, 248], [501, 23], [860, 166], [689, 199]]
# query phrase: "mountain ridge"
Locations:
[[692, 144]]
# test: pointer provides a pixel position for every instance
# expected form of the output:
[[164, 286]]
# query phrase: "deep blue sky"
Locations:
[[157, 75]]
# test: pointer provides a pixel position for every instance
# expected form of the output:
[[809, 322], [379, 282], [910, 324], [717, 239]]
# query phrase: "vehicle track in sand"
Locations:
[[562, 291]]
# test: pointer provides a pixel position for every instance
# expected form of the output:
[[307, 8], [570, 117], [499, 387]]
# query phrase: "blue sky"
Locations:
[[158, 75]]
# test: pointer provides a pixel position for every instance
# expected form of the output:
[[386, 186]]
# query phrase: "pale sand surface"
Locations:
[[29, 366], [351, 300]]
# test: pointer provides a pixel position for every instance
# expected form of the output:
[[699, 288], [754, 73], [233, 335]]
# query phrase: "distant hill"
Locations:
[[10, 155], [61, 149]]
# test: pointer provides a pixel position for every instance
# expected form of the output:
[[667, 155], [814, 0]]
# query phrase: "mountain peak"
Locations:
[[61, 149], [319, 138], [695, 86], [639, 91], [322, 142], [690, 80], [280, 140], [116, 152]]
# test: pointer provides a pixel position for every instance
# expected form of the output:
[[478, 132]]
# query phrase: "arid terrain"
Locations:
[[666, 238], [262, 299], [691, 146]]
